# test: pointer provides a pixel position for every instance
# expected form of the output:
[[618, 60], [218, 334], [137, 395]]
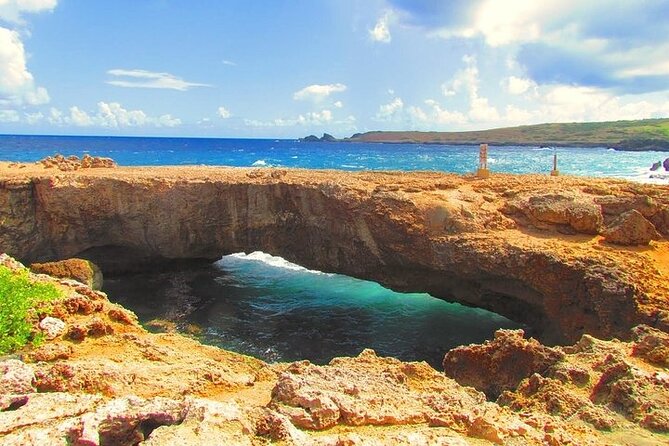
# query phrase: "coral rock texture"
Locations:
[[531, 248]]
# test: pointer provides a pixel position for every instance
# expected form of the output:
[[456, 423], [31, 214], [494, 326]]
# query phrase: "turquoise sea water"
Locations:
[[278, 311], [345, 156]]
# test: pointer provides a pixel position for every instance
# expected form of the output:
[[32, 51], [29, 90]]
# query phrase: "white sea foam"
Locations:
[[259, 163], [270, 260], [643, 175]]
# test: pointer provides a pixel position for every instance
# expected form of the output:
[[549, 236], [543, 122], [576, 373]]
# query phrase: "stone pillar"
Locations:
[[555, 172], [483, 171]]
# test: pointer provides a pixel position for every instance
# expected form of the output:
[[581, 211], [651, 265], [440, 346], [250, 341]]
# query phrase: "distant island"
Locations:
[[639, 135]]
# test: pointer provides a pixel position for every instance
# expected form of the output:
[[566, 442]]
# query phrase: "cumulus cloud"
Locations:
[[150, 79], [391, 111], [381, 31], [435, 115], [467, 80], [621, 47], [110, 115], [223, 112], [318, 92], [518, 85], [12, 10], [9, 116], [17, 85], [311, 119]]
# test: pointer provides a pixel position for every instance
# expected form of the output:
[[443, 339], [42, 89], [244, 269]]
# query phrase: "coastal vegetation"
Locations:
[[19, 299], [646, 134]]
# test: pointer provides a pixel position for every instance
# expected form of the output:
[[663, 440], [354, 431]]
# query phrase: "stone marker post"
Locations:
[[555, 172], [483, 171]]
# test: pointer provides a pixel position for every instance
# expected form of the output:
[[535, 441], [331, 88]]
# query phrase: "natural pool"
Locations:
[[266, 307]]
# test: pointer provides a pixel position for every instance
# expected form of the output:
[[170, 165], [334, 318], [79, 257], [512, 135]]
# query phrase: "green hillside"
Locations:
[[647, 134]]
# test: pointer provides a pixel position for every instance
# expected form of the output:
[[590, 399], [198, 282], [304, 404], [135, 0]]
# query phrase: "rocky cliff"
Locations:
[[565, 255]]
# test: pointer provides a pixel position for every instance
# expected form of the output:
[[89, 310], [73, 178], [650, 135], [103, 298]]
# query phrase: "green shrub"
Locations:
[[19, 299]]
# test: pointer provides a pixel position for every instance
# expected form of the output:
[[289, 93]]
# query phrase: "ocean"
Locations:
[[134, 151], [264, 306]]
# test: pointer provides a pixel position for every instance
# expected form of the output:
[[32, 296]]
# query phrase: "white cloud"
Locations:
[[315, 118], [312, 119], [467, 79], [229, 62], [9, 116], [571, 103], [518, 85], [223, 112], [55, 116], [79, 117], [338, 104], [17, 85], [34, 118], [317, 92], [150, 79], [381, 31], [480, 110], [110, 115], [435, 115], [11, 10], [391, 111]]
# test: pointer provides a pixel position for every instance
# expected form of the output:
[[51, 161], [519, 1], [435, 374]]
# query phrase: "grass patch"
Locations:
[[20, 300]]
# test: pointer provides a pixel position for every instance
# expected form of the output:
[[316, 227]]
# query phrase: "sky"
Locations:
[[286, 69]]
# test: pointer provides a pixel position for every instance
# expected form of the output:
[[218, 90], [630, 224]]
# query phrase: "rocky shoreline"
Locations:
[[572, 257], [102, 379]]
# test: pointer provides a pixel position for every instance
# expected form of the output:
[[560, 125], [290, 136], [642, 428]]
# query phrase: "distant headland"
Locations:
[[639, 135]]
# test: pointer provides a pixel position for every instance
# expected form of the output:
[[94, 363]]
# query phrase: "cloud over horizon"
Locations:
[[318, 92], [150, 79]]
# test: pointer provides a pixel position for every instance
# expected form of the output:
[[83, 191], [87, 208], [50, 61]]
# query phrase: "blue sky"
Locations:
[[280, 68]]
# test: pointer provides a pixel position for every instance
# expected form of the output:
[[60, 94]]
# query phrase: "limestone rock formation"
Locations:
[[527, 247], [73, 162], [81, 270], [630, 229], [598, 382], [131, 387], [499, 364], [571, 214]]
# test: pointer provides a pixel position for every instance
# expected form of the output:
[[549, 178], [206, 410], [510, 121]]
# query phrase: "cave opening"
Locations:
[[267, 307]]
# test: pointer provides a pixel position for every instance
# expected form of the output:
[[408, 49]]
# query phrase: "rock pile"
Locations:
[[73, 162]]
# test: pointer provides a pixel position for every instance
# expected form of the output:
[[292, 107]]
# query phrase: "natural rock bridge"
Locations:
[[527, 247]]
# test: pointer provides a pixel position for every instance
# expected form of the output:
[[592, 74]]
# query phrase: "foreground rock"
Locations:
[[608, 384], [114, 383], [528, 247]]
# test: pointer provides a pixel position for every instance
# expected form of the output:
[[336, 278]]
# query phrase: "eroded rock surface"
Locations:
[[128, 387], [528, 247], [599, 382], [81, 270]]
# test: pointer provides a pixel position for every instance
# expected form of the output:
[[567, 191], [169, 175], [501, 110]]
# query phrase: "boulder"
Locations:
[[651, 344], [566, 213], [52, 327], [612, 205], [631, 228], [81, 270], [500, 364], [16, 377], [655, 166], [665, 164]]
